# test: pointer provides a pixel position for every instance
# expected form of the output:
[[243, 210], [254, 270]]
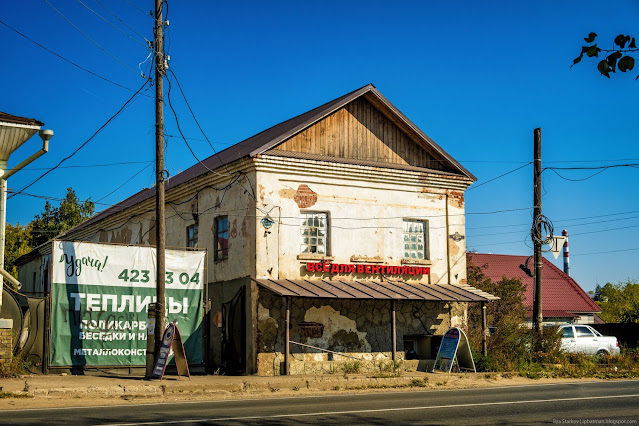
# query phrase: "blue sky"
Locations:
[[477, 77]]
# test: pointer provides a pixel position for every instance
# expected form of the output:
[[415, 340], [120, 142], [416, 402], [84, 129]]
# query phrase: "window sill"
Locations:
[[308, 256], [366, 259], [426, 262]]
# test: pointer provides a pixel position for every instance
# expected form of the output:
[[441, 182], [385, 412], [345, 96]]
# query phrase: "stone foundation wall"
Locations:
[[272, 364], [358, 328], [6, 342]]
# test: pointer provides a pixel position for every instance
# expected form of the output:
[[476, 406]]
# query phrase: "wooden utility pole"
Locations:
[[537, 237], [159, 176]]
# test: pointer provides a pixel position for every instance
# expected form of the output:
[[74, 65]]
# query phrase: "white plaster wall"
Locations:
[[365, 217], [201, 200]]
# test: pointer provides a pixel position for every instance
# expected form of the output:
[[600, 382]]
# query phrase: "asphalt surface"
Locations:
[[574, 403]]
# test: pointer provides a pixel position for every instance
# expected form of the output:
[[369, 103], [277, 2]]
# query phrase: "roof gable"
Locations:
[[360, 131], [559, 291], [273, 136]]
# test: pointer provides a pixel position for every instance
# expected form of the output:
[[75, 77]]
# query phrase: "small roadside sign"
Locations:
[[454, 347], [171, 345]]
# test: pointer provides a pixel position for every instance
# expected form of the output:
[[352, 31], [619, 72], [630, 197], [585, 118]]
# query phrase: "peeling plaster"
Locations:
[[305, 197], [340, 332], [267, 330], [233, 230]]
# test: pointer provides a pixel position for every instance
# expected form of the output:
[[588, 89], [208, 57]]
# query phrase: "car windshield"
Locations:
[[596, 332]]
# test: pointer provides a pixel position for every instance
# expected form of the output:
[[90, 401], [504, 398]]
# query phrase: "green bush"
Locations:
[[352, 367], [14, 367]]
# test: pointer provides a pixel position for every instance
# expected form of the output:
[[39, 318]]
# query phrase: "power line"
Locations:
[[593, 167], [125, 182], [251, 192], [498, 177], [89, 165], [89, 38], [85, 142], [573, 225], [572, 235], [191, 110], [111, 24], [67, 60], [603, 252], [148, 42], [180, 131], [600, 168], [47, 197], [605, 230], [138, 8]]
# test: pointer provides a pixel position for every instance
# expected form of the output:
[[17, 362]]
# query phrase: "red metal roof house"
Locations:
[[563, 300]]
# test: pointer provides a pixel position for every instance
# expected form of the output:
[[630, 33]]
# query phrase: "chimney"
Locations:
[[566, 256]]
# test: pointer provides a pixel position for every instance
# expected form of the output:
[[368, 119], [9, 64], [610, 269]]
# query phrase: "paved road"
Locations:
[[574, 403]]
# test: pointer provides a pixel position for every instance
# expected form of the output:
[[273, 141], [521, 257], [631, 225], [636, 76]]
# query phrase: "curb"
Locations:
[[210, 386]]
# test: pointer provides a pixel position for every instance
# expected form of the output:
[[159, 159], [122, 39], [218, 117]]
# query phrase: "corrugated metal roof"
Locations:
[[559, 291], [374, 290], [268, 139]]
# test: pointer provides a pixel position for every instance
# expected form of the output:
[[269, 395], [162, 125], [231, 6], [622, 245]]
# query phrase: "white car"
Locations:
[[586, 340]]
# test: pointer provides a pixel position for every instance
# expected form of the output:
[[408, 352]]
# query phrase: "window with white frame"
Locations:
[[415, 239], [314, 232]]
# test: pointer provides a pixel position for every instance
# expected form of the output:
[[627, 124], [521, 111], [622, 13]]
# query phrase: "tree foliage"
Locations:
[[17, 242], [55, 220], [44, 226], [511, 344], [506, 317], [618, 302], [617, 58]]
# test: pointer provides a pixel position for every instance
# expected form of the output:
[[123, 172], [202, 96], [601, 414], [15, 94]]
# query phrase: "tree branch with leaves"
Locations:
[[615, 59]]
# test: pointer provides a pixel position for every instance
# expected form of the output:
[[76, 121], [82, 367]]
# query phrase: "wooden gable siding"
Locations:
[[360, 131]]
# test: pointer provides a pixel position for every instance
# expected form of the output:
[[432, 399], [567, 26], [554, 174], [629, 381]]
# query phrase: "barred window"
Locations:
[[314, 230], [415, 239]]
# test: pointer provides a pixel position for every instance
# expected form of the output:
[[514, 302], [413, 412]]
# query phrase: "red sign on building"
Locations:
[[364, 268]]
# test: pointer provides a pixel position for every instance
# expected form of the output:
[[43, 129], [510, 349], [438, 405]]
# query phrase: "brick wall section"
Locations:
[[305, 197], [5, 345]]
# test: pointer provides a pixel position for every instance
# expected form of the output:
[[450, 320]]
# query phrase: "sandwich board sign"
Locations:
[[454, 348], [171, 345], [100, 295]]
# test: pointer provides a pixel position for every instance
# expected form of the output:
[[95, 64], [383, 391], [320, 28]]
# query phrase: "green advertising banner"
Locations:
[[99, 301]]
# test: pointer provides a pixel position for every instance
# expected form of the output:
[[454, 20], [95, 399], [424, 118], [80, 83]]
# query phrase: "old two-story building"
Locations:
[[338, 233]]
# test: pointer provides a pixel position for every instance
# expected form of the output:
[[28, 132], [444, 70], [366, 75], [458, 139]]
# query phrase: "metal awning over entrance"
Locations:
[[393, 291], [375, 290]]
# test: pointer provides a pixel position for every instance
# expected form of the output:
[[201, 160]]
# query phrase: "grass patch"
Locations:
[[418, 383], [352, 367], [14, 367], [14, 395]]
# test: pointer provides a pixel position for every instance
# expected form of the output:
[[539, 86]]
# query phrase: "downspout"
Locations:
[[46, 135], [10, 278]]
